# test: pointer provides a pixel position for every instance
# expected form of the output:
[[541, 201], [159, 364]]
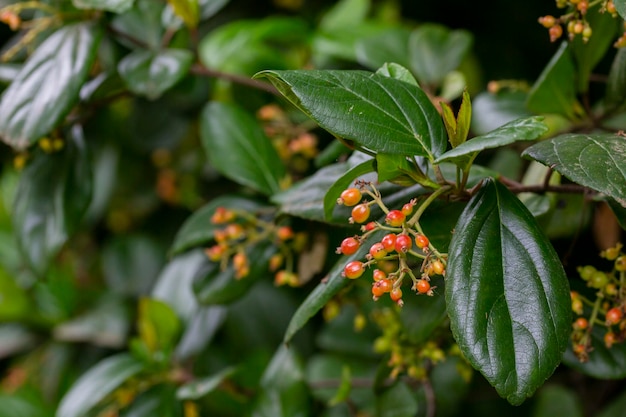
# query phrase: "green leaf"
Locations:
[[603, 363], [237, 147], [620, 6], [394, 168], [397, 400], [398, 72], [115, 6], [557, 401], [616, 84], [331, 285], [588, 54], [216, 286], [555, 89], [435, 50], [422, 316], [198, 229], [16, 405], [197, 389], [48, 85], [15, 339], [596, 161], [97, 383], [490, 111], [149, 73], [283, 391], [463, 120], [53, 194], [378, 112], [619, 211], [142, 23], [522, 129], [390, 46], [158, 400], [507, 294], [188, 10], [14, 302], [158, 325], [617, 406], [345, 13], [344, 182]]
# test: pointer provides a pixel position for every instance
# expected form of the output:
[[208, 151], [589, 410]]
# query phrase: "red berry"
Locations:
[[353, 269], [395, 218], [360, 213], [396, 294], [609, 339], [389, 242], [403, 243], [422, 286], [284, 233], [407, 209], [581, 323], [349, 246], [555, 32], [379, 275], [377, 251], [421, 241], [377, 289], [350, 197], [369, 227], [613, 316]]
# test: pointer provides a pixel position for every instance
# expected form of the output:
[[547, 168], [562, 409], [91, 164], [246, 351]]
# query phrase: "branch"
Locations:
[[200, 69], [517, 187]]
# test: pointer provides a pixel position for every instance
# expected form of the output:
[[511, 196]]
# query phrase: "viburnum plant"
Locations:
[[223, 216]]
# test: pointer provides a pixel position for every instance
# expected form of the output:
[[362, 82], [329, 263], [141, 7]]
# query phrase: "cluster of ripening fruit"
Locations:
[[241, 230], [608, 308], [398, 245], [575, 20]]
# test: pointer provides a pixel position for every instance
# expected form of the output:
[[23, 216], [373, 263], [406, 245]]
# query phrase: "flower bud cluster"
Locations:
[[607, 310], [404, 244]]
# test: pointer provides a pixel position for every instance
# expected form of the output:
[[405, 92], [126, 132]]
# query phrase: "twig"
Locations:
[[429, 393], [517, 187], [200, 69]]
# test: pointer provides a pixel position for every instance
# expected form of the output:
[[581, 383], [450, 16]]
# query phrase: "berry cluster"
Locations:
[[610, 303], [241, 230], [575, 19], [404, 243]]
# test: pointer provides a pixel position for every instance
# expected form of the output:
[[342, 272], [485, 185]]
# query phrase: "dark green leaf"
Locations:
[[283, 391], [616, 84], [555, 89], [490, 111], [151, 73], [216, 286], [198, 229], [116, 6], [53, 194], [521, 129], [159, 400], [603, 363], [396, 401], [48, 85], [344, 182], [390, 46], [199, 331], [394, 168], [620, 6], [436, 50], [143, 23], [507, 294], [398, 72], [378, 112], [237, 147], [588, 54], [617, 406], [97, 383], [340, 336], [596, 161], [331, 285], [619, 211], [197, 389], [557, 401], [422, 315]]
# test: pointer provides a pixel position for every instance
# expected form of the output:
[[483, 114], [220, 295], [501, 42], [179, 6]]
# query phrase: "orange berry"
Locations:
[[285, 233], [395, 218], [360, 213], [609, 339], [555, 32], [581, 323], [421, 241], [547, 21], [422, 286], [350, 197], [613, 316], [377, 251], [438, 268], [379, 274], [353, 269], [396, 294], [349, 246]]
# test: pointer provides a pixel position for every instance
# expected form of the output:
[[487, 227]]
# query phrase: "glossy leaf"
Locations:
[[198, 229], [490, 111], [53, 194], [521, 129], [215, 286], [377, 112], [596, 161], [48, 85], [620, 6], [149, 73], [97, 383], [283, 391], [616, 84], [237, 147], [619, 211], [344, 182], [502, 276], [197, 389], [330, 285], [555, 89], [393, 70], [394, 168], [116, 6], [603, 363], [436, 50]]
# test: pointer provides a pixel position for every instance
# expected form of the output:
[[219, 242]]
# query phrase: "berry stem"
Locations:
[[415, 219]]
